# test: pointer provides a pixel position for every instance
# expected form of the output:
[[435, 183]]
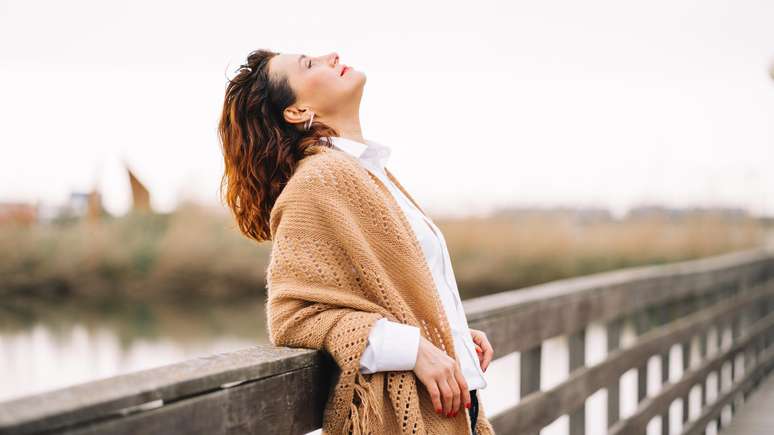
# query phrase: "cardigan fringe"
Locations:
[[361, 415]]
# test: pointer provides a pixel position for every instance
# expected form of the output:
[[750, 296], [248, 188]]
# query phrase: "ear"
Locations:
[[295, 115]]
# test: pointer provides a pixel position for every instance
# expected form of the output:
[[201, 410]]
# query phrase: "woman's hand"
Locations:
[[483, 348], [443, 379]]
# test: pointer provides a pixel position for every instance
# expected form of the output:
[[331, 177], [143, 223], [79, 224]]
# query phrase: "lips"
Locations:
[[343, 70]]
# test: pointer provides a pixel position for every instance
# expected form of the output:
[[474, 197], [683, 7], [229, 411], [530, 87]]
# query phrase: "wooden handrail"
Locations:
[[282, 390]]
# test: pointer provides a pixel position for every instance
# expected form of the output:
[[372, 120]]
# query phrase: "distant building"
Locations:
[[577, 214], [77, 204], [83, 205], [18, 213], [654, 211]]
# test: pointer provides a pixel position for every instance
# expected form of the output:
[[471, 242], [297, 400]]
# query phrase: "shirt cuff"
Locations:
[[392, 346]]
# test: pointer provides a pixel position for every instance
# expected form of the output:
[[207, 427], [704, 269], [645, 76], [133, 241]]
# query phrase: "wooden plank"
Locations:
[[711, 412], [516, 320], [719, 371], [538, 410], [666, 317], [613, 389], [121, 394], [641, 326], [704, 351], [686, 347], [577, 350], [655, 405], [291, 403], [735, 331], [755, 416], [686, 360], [529, 372]]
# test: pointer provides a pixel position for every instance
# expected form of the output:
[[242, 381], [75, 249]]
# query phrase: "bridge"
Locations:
[[684, 309]]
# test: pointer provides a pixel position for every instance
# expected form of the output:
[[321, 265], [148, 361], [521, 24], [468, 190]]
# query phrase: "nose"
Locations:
[[333, 58]]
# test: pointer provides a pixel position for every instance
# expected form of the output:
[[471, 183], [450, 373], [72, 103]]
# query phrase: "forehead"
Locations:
[[285, 64]]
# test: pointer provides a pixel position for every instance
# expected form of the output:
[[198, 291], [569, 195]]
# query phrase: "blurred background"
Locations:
[[546, 139]]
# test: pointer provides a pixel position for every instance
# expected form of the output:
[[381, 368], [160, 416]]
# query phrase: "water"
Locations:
[[44, 348], [73, 345]]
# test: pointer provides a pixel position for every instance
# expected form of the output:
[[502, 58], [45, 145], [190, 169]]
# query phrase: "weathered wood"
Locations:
[[285, 389], [539, 410], [735, 331], [530, 372], [613, 389], [256, 407], [655, 405], [641, 326], [685, 308], [719, 372], [755, 418], [516, 320], [666, 316], [712, 411], [577, 350], [120, 395]]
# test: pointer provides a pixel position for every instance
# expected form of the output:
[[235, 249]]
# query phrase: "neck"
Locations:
[[348, 126]]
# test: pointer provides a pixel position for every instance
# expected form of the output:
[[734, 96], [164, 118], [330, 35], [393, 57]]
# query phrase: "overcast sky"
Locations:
[[593, 103]]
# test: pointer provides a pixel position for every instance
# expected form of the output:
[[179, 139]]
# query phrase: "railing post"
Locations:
[[735, 331], [665, 316], [719, 372], [641, 324], [756, 313], [686, 399], [577, 350], [703, 354], [530, 371], [685, 308], [614, 328]]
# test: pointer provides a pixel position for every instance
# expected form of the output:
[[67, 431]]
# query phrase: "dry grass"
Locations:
[[498, 254], [195, 254]]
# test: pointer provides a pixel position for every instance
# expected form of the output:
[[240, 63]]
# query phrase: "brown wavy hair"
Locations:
[[260, 149]]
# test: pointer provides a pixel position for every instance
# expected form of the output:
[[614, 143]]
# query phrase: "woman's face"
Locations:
[[321, 83]]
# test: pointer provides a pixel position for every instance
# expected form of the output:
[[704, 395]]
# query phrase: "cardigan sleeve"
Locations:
[[392, 346], [309, 303], [312, 283]]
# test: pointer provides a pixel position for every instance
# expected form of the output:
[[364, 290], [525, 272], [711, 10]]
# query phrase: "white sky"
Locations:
[[596, 103]]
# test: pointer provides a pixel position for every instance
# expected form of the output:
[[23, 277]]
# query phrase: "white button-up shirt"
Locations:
[[394, 346]]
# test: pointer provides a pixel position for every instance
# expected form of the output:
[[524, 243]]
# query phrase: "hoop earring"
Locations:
[[309, 122]]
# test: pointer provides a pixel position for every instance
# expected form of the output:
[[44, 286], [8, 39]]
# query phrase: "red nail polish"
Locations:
[[438, 411], [467, 405]]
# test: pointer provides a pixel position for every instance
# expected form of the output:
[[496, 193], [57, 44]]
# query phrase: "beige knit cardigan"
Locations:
[[343, 256]]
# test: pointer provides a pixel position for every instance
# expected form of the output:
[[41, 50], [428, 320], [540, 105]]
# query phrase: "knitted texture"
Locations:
[[343, 256]]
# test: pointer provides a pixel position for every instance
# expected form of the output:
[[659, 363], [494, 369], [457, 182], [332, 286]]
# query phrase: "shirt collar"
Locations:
[[370, 150]]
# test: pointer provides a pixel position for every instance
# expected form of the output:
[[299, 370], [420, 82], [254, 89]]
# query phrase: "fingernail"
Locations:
[[438, 411], [448, 414], [467, 405]]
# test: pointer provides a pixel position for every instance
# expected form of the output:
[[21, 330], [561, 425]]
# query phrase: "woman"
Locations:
[[356, 269]]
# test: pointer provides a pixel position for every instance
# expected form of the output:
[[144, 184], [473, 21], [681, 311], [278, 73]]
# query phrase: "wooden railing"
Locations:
[[264, 389]]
